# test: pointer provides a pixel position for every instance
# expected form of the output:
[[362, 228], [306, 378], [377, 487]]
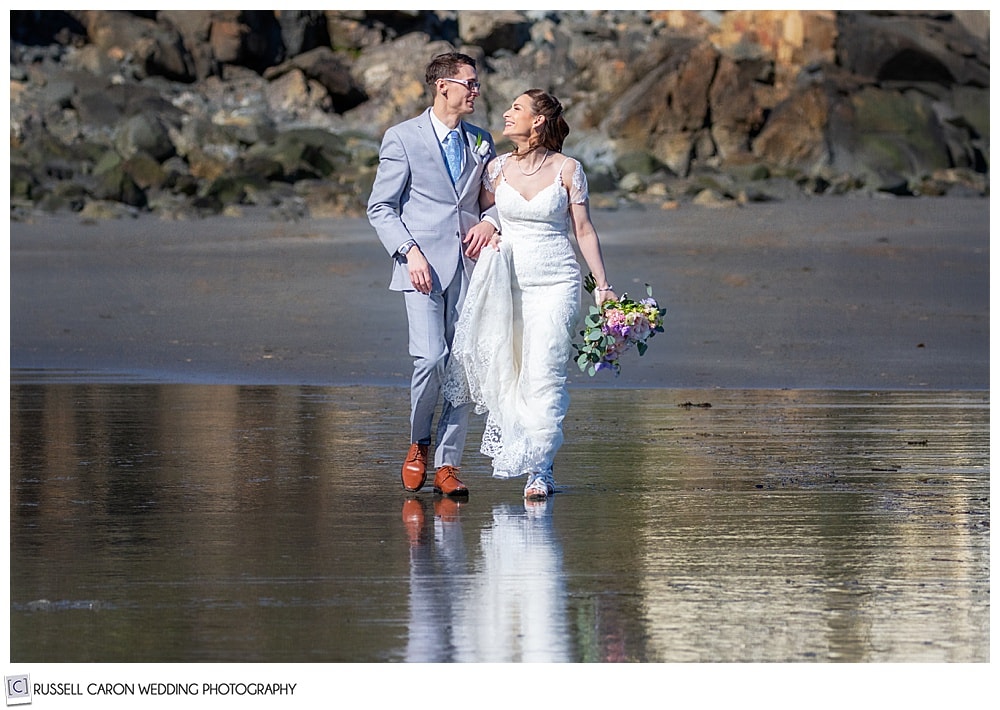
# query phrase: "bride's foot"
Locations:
[[539, 486]]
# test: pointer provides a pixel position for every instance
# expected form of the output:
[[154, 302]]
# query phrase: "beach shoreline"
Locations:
[[820, 293]]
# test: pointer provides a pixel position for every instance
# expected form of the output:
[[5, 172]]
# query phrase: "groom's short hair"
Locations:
[[444, 66]]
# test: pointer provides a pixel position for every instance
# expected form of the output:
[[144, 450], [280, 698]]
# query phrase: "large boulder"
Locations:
[[146, 133], [912, 47], [181, 110], [394, 80], [305, 153], [735, 105], [194, 27], [494, 30], [154, 48], [794, 135], [302, 30], [667, 110], [889, 137], [326, 68]]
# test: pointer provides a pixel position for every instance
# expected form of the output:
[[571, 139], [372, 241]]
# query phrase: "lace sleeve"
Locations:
[[578, 190], [492, 172]]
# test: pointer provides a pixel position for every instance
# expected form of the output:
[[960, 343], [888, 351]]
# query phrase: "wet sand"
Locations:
[[776, 549], [823, 293], [193, 523], [190, 402]]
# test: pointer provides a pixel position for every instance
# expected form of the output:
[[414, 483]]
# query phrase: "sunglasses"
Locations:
[[470, 85]]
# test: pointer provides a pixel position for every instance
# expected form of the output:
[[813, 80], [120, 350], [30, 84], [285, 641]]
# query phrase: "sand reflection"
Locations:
[[187, 523], [507, 603]]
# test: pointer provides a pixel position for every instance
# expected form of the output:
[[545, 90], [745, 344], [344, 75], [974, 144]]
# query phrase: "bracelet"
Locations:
[[609, 288]]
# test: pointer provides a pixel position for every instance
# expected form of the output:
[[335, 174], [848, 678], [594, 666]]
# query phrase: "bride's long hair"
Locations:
[[554, 128]]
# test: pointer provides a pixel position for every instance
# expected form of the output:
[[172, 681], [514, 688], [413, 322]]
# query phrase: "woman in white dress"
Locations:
[[514, 338]]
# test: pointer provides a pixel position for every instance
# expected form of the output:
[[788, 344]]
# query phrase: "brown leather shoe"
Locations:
[[446, 482], [414, 471]]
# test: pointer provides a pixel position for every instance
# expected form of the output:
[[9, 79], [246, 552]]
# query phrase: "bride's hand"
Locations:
[[602, 295], [477, 238]]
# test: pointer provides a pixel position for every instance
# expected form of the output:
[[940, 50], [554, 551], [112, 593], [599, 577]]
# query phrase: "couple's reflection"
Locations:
[[507, 604]]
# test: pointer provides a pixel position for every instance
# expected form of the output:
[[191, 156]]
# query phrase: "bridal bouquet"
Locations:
[[614, 327]]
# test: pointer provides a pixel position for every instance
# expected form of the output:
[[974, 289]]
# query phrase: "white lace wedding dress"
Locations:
[[514, 338]]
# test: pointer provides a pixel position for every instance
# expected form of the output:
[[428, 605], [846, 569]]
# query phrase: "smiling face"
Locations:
[[459, 98], [519, 121]]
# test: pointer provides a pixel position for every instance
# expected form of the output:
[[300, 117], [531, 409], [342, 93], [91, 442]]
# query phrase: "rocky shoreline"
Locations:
[[185, 114]]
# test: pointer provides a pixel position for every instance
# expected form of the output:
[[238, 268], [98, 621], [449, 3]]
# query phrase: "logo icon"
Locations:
[[18, 689]]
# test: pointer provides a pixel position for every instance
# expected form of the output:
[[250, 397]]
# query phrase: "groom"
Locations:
[[424, 207]]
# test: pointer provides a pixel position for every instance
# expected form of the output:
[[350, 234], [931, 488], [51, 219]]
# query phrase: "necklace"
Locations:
[[540, 164]]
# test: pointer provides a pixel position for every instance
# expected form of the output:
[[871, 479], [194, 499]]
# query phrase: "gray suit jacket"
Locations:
[[413, 198]]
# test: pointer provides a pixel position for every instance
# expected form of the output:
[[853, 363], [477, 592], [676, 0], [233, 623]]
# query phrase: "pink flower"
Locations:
[[615, 327]]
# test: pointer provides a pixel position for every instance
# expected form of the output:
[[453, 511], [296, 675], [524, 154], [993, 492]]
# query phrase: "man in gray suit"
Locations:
[[425, 209]]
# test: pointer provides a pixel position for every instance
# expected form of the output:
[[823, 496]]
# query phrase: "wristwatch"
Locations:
[[406, 247]]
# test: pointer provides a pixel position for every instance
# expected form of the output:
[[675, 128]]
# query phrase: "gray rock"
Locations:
[[494, 30], [323, 66], [145, 133], [194, 112], [302, 30]]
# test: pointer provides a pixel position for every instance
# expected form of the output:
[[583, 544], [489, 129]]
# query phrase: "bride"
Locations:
[[513, 341]]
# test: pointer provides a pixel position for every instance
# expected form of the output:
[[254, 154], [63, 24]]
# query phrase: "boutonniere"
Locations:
[[482, 147]]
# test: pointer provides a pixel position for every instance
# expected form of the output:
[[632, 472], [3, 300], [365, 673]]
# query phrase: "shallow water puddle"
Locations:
[[193, 523]]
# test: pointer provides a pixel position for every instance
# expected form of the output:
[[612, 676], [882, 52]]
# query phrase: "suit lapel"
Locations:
[[470, 145], [471, 159], [433, 146]]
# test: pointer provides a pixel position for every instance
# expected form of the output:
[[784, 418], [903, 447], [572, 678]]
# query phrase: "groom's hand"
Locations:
[[420, 270], [478, 237]]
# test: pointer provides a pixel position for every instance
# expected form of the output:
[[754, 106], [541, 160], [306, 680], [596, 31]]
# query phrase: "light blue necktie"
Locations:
[[453, 154]]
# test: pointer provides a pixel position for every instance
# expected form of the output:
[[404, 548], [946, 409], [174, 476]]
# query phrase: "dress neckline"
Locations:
[[556, 181]]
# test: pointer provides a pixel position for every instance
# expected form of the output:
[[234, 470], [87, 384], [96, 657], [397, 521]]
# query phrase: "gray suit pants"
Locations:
[[432, 319]]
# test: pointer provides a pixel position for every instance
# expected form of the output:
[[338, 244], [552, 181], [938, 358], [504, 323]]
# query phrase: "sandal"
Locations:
[[539, 486]]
